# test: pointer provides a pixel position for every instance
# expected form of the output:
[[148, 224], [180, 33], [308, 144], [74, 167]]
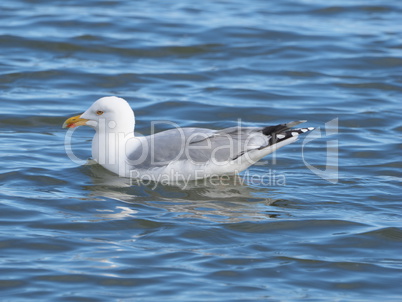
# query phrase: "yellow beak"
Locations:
[[75, 121]]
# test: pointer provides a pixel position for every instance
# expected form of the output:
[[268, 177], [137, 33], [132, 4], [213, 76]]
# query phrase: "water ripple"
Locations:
[[78, 233]]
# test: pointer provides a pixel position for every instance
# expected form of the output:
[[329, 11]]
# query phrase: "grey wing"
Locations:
[[232, 143], [201, 145], [171, 145], [198, 145]]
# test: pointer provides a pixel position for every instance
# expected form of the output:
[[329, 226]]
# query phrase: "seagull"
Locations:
[[178, 154]]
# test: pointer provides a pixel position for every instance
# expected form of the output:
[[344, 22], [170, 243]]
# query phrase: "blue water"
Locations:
[[320, 220]]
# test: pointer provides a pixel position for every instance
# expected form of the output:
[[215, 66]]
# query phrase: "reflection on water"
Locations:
[[226, 199]]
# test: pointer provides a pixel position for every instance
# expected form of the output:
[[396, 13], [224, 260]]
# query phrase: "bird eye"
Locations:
[[99, 112]]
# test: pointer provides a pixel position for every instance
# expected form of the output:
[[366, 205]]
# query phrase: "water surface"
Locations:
[[71, 232]]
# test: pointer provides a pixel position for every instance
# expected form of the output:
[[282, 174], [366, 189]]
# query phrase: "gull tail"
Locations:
[[283, 132]]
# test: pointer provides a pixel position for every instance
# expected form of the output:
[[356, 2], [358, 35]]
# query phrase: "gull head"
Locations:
[[109, 112]]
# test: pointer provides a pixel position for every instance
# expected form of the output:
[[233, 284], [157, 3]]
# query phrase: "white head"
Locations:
[[110, 113]]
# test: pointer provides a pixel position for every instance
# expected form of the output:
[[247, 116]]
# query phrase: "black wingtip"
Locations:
[[269, 130], [283, 132]]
